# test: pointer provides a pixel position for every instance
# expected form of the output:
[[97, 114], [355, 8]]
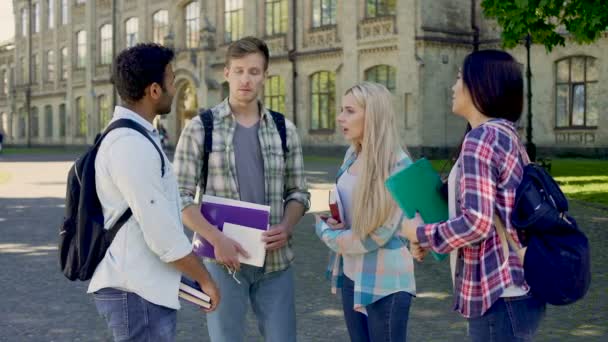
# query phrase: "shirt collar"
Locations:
[[121, 112], [225, 110]]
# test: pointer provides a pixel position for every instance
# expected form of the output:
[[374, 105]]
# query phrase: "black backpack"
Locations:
[[83, 241], [206, 117], [557, 263]]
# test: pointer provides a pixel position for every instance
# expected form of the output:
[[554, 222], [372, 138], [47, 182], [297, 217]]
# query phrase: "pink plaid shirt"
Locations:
[[490, 169]]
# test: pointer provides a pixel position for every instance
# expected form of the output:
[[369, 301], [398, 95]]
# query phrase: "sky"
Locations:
[[7, 23]]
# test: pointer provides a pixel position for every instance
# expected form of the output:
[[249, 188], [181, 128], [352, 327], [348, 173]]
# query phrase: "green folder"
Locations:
[[417, 189]]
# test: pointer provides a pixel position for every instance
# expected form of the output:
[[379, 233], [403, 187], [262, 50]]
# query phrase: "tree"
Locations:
[[548, 21]]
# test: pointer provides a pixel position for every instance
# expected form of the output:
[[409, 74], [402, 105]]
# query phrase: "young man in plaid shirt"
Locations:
[[247, 162]]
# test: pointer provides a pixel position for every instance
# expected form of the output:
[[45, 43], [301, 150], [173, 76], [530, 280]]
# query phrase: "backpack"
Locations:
[[83, 240], [557, 261], [206, 117]]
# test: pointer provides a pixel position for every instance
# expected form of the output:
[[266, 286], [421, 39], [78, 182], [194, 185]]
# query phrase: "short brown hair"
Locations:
[[246, 46]]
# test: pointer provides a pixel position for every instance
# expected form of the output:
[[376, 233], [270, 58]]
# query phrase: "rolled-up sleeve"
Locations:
[[295, 180], [187, 161], [134, 167]]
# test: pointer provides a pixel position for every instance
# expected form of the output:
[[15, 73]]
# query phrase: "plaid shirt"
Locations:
[[383, 262], [491, 168], [283, 176]]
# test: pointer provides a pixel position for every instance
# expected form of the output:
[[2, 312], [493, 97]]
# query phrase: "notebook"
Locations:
[[250, 239], [218, 211], [417, 189]]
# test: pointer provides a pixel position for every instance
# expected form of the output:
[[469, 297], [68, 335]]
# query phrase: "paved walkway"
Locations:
[[38, 304]]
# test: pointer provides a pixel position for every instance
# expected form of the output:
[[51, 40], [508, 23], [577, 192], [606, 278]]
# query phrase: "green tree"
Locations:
[[545, 20]]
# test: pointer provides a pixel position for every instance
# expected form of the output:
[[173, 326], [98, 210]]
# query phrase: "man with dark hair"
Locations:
[[247, 162], [136, 284]]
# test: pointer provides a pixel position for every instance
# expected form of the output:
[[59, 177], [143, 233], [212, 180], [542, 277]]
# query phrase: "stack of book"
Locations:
[[190, 291]]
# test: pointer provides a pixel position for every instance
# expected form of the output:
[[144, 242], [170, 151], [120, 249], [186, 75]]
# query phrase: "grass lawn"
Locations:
[[40, 150]]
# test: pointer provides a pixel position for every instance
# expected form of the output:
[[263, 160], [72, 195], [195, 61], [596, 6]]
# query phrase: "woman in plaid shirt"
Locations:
[[489, 291], [370, 260]]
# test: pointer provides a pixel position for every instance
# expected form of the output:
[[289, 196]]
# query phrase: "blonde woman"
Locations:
[[370, 260]]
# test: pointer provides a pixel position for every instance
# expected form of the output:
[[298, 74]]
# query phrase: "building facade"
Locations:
[[59, 66]]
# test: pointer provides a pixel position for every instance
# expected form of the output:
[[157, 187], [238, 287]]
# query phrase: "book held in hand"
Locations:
[[218, 211], [417, 189], [251, 240], [190, 290]]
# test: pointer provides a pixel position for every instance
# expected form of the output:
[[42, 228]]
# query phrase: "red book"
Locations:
[[335, 205]]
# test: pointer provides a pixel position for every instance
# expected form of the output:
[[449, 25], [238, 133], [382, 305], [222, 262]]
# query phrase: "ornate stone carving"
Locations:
[[374, 28], [277, 45], [321, 38]]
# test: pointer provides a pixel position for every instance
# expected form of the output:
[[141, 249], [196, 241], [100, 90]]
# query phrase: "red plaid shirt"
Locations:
[[490, 170]]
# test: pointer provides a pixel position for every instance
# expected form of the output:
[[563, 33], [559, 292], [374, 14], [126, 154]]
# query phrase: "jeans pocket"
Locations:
[[112, 306], [526, 315]]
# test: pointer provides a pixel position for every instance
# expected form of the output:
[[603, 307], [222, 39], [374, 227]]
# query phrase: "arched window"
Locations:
[[191, 24], [35, 129], [103, 106], [383, 74], [62, 120], [105, 39], [323, 13], [81, 118], [131, 31], [233, 20], [50, 66], [274, 94], [577, 92], [160, 25], [323, 100], [48, 121], [81, 49]]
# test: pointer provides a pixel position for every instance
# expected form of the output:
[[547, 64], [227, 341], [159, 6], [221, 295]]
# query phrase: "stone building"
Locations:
[[318, 49]]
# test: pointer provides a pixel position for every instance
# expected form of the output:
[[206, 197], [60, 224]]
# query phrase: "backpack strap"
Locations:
[[279, 121], [127, 123], [206, 117]]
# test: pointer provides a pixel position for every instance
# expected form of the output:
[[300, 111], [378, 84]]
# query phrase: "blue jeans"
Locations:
[[509, 319], [386, 318], [271, 296], [132, 318]]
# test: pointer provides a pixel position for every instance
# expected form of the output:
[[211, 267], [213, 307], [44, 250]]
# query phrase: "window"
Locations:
[[160, 24], [36, 18], [35, 131], [379, 8], [80, 2], [276, 17], [64, 63], [48, 119], [105, 51], [24, 22], [323, 13], [323, 95], [104, 111], [24, 70], [3, 83], [274, 94], [81, 49], [62, 120], [577, 92], [50, 7], [131, 32], [21, 125], [81, 117], [64, 12], [50, 66], [192, 34], [233, 20], [35, 67], [383, 74]]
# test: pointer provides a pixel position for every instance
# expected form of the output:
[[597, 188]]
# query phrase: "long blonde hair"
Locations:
[[372, 203]]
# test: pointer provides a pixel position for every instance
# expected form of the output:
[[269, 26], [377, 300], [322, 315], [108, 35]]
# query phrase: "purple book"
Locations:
[[218, 210]]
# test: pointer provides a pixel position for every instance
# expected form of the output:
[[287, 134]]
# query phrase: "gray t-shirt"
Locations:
[[249, 163]]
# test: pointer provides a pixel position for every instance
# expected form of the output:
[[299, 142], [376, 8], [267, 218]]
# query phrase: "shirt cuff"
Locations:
[[302, 198], [183, 248], [421, 234], [186, 201]]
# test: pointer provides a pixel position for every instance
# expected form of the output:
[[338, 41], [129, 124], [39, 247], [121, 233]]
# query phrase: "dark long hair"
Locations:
[[495, 81]]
